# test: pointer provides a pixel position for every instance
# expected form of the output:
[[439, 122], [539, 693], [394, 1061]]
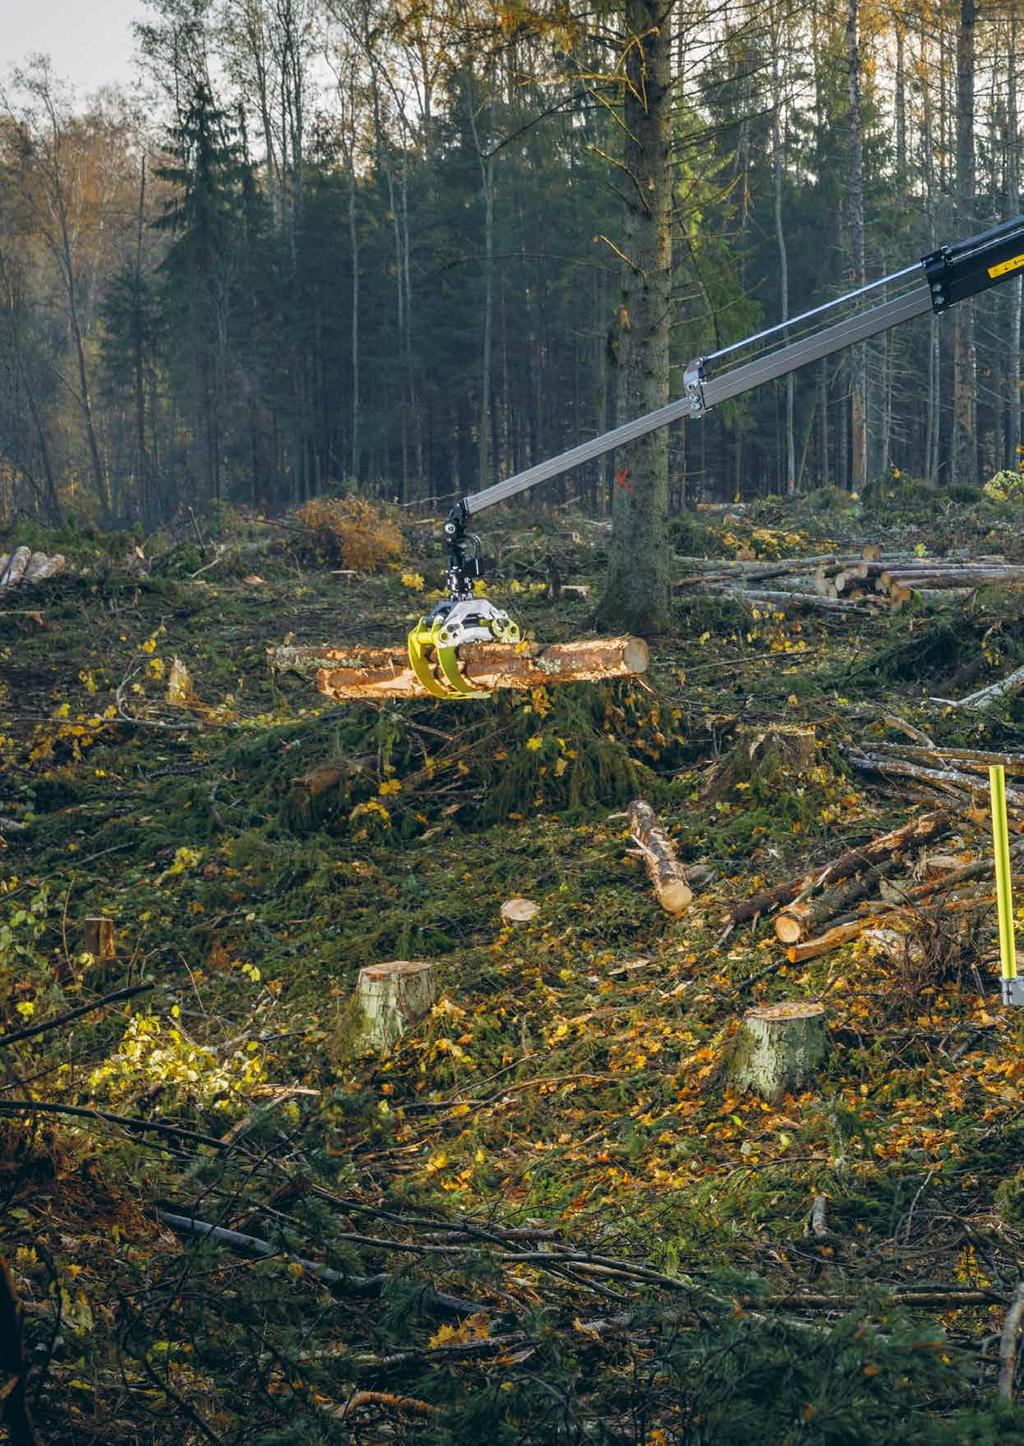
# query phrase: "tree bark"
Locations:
[[637, 589], [858, 360], [1013, 431], [965, 441], [778, 174]]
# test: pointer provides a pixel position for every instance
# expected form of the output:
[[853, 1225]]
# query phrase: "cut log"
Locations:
[[764, 597], [666, 872], [920, 829], [15, 569], [49, 567], [779, 1049], [802, 920], [32, 567], [100, 939], [392, 997], [959, 576], [368, 673]]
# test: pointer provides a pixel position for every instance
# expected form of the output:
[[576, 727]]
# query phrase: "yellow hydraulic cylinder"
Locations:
[[1013, 993]]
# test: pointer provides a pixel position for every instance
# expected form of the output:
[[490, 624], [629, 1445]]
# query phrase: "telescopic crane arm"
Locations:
[[935, 283]]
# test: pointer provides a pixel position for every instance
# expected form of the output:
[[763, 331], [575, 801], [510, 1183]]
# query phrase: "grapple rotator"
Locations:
[[462, 618]]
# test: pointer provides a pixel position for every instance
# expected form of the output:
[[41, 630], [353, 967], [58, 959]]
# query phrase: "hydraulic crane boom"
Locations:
[[933, 284]]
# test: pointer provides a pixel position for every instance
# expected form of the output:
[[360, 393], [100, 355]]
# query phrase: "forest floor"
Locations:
[[548, 1217]]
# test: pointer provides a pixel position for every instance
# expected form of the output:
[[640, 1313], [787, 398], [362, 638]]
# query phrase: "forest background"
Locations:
[[353, 244]]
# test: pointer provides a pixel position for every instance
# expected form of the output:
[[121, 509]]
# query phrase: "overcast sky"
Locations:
[[89, 41]]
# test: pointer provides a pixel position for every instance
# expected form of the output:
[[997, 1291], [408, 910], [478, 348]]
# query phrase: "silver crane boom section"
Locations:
[[703, 392]]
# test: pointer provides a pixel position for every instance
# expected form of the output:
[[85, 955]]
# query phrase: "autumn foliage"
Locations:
[[351, 532]]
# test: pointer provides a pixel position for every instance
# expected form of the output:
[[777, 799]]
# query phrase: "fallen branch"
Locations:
[[386, 1398], [853, 929], [263, 1250], [936, 777], [921, 829], [45, 1025], [994, 693], [1008, 1346], [127, 1122]]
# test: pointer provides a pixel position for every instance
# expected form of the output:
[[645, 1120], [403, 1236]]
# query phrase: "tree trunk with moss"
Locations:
[[638, 577]]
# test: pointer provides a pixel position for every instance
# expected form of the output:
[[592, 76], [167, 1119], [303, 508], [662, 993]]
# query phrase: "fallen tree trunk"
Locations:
[[763, 597], [367, 673], [666, 872], [985, 697], [947, 577], [937, 777]]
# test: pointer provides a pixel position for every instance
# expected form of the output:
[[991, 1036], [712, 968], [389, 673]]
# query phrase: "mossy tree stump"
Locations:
[[779, 757], [391, 998], [779, 1049]]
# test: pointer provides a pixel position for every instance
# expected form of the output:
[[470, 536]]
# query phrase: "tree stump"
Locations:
[[778, 1049], [519, 911], [392, 997], [100, 940], [778, 758]]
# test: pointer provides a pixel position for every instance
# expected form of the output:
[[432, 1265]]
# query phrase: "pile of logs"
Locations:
[[23, 567], [856, 894], [839, 581]]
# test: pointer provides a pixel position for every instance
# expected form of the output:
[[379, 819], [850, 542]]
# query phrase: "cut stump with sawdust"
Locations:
[[519, 911], [391, 998], [779, 1049]]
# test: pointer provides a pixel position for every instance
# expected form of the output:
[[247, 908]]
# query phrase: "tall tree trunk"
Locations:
[[1013, 206], [487, 190], [778, 165], [637, 587], [138, 360], [858, 361], [965, 441], [353, 234], [933, 417]]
